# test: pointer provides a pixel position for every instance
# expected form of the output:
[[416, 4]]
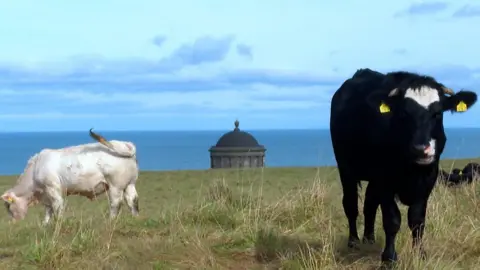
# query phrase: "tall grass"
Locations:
[[237, 220]]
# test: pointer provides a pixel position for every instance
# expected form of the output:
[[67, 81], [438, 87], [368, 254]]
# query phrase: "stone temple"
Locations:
[[237, 149]]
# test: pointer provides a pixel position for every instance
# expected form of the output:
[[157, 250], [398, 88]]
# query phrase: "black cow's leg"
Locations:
[[350, 206], [391, 225], [416, 223], [370, 211]]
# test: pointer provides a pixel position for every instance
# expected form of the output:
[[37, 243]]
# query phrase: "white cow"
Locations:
[[87, 170]]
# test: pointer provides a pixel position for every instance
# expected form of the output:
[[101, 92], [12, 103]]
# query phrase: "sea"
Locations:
[[188, 150]]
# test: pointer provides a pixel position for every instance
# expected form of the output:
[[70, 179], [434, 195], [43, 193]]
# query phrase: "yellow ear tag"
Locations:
[[384, 108], [9, 199], [461, 106]]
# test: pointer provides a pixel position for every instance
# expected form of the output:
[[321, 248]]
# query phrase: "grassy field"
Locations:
[[277, 218]]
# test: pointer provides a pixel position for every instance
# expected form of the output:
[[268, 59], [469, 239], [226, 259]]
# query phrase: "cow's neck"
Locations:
[[24, 187]]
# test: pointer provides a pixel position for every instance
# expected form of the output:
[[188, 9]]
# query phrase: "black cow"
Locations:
[[472, 168], [469, 173], [452, 179], [443, 175], [387, 129]]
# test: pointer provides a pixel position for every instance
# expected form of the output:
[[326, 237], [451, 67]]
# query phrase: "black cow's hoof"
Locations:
[[353, 243], [369, 239], [389, 258], [387, 265], [422, 254], [418, 248]]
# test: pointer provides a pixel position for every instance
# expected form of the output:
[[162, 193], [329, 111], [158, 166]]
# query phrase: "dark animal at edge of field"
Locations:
[[451, 179], [457, 177], [387, 129], [443, 175], [471, 168]]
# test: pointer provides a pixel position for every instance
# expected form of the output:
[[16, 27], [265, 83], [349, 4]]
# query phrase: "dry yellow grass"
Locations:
[[276, 218]]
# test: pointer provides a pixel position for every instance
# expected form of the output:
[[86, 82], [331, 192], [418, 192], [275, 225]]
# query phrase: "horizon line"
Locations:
[[187, 130]]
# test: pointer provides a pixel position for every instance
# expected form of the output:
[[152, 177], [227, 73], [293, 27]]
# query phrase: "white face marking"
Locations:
[[430, 152], [424, 95]]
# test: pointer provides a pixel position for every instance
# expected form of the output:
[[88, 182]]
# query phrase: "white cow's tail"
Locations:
[[128, 151]]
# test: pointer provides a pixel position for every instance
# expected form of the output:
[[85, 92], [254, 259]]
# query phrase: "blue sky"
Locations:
[[176, 65]]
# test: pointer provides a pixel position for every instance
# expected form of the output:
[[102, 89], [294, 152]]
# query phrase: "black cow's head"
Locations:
[[414, 111]]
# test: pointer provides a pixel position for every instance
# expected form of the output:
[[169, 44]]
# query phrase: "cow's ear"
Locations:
[[381, 101], [8, 197], [460, 102]]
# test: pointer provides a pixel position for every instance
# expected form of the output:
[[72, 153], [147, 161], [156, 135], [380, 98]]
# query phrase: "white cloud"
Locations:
[[256, 97], [153, 115]]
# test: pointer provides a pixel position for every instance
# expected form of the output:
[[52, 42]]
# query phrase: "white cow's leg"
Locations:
[[48, 214], [56, 199], [115, 195], [131, 198]]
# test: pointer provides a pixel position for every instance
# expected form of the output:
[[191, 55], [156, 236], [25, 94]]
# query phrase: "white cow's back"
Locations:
[[82, 167]]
